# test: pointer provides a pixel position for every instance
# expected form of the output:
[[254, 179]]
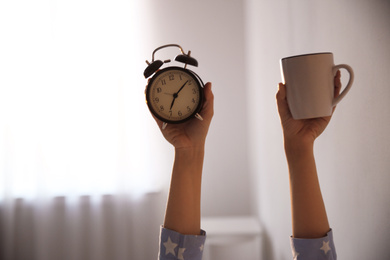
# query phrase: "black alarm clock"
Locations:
[[174, 94]]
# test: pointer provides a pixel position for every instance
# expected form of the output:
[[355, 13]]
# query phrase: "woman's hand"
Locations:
[[304, 130], [191, 134]]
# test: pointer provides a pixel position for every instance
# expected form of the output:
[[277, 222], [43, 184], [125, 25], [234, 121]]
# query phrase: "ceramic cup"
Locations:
[[309, 81]]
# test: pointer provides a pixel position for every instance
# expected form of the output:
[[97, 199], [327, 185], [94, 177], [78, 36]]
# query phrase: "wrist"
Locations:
[[191, 157], [298, 148], [190, 151]]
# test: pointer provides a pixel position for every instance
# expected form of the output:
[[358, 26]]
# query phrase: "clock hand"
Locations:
[[173, 101], [182, 87], [175, 95]]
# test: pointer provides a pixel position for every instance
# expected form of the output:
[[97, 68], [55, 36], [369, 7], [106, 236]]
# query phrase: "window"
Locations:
[[72, 114]]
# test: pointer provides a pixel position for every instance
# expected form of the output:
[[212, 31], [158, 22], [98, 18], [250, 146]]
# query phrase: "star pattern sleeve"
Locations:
[[176, 246], [314, 249]]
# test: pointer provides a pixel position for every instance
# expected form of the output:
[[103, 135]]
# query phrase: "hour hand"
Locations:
[[174, 98], [173, 101]]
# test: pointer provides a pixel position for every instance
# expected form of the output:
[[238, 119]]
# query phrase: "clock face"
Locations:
[[174, 95]]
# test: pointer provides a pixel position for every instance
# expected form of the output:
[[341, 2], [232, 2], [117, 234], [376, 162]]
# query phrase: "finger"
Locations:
[[281, 101], [208, 93], [337, 86], [337, 83], [208, 106]]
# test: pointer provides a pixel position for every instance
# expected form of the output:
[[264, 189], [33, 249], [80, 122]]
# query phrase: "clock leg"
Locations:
[[198, 117], [164, 125]]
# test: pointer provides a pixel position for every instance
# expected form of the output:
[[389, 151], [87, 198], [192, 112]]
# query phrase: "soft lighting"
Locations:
[[71, 119]]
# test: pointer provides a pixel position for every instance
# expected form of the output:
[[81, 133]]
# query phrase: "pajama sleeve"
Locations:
[[314, 249], [176, 246]]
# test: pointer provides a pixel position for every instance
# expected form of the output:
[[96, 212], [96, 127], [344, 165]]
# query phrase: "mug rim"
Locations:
[[307, 54]]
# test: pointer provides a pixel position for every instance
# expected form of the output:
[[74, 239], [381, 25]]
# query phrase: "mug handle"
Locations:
[[349, 85]]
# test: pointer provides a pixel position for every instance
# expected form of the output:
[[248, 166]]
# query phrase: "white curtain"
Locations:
[[76, 139], [84, 228]]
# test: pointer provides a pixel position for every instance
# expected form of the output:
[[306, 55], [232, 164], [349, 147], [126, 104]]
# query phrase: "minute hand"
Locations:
[[176, 94], [182, 87]]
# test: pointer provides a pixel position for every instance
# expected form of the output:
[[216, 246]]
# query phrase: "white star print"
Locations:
[[325, 247], [180, 254], [170, 247], [201, 247]]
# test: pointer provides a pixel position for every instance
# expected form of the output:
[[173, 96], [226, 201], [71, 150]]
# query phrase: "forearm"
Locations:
[[183, 207], [309, 217]]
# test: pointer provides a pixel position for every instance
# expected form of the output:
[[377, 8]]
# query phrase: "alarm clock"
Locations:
[[174, 94]]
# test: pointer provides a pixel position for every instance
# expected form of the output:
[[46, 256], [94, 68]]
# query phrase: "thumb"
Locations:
[[281, 100]]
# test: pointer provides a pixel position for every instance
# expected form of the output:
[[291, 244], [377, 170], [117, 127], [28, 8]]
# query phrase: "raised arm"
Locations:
[[184, 199], [309, 218]]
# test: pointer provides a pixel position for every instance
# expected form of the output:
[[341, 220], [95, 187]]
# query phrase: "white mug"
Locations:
[[309, 81]]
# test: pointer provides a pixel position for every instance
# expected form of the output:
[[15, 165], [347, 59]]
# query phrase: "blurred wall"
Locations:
[[353, 157]]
